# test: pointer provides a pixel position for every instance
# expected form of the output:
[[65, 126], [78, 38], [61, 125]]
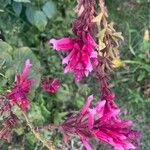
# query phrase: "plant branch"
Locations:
[[49, 145]]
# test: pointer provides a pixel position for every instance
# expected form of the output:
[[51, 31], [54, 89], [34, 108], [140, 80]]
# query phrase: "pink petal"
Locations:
[[100, 108], [123, 124], [87, 104], [109, 115], [62, 44], [91, 41], [85, 142], [26, 69], [92, 113], [89, 66], [103, 136], [93, 54], [69, 57]]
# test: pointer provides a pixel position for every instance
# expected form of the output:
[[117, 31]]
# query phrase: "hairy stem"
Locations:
[[45, 143]]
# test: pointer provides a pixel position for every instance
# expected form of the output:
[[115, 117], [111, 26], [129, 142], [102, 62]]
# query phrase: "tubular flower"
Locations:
[[51, 86], [82, 47], [97, 123], [20, 90], [81, 56]]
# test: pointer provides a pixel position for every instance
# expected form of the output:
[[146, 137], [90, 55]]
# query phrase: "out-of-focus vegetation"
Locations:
[[27, 25]]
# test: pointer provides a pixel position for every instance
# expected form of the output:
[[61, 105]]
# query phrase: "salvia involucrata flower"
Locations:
[[101, 124], [51, 85], [18, 94], [81, 48]]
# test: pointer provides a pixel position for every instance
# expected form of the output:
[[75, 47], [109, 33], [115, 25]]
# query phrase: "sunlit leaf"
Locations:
[[17, 7], [49, 9], [23, 1], [40, 20], [30, 14]]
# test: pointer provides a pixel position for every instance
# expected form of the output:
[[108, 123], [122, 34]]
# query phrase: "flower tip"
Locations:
[[28, 63], [91, 97], [130, 123], [53, 43], [103, 102]]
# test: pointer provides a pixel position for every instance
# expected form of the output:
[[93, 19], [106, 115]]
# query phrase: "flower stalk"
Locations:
[[45, 143]]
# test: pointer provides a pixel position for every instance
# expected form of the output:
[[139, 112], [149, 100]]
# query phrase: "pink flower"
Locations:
[[51, 86], [81, 56], [21, 88], [102, 125], [65, 44]]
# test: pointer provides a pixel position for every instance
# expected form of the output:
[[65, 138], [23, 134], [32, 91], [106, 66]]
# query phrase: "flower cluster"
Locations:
[[82, 47], [5, 132], [102, 121], [51, 85], [98, 122], [81, 56], [18, 95]]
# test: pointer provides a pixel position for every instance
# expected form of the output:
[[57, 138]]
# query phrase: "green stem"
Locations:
[[133, 62], [49, 145]]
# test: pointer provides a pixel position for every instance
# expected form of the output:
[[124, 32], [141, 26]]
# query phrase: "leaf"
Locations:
[[17, 7], [40, 20], [141, 76], [43, 108], [5, 3], [117, 62], [5, 57], [30, 14], [146, 35], [35, 114], [1, 10], [101, 45], [101, 36], [118, 35], [49, 9], [22, 1], [98, 18], [5, 47]]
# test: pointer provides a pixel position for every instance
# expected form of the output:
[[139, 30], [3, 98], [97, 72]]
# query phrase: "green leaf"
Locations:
[[43, 108], [35, 114], [5, 3], [40, 20], [5, 47], [17, 7], [30, 14], [49, 9], [30, 138], [22, 1], [5, 57]]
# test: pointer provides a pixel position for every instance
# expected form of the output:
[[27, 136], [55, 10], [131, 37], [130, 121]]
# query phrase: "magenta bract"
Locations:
[[20, 90], [51, 86], [101, 124], [81, 56]]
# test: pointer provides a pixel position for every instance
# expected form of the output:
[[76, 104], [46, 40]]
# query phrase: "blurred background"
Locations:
[[25, 29]]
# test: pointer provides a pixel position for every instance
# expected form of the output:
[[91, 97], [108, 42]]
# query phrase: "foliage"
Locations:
[[27, 25]]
